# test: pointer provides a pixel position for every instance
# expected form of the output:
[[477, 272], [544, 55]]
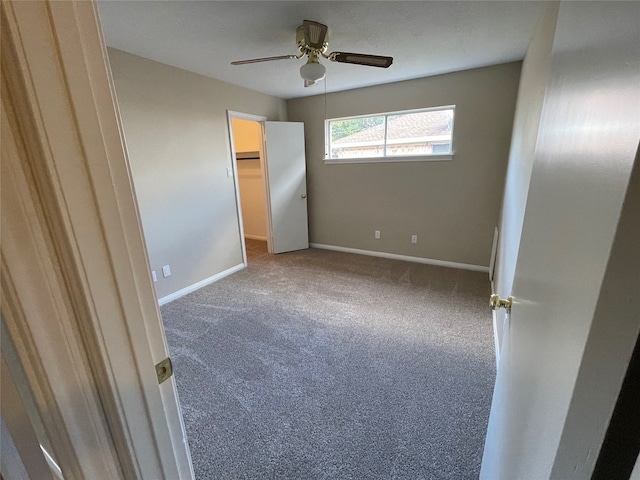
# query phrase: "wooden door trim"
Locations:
[[95, 385]]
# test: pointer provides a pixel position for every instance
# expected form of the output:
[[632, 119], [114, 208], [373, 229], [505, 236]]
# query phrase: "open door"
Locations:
[[287, 185], [533, 81], [575, 316], [283, 168], [78, 300]]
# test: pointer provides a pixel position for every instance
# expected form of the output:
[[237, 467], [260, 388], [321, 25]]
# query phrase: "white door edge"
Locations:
[[99, 389], [496, 341]]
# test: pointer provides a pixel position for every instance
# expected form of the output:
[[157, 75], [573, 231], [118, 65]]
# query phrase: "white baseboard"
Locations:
[[255, 237], [406, 258], [200, 284]]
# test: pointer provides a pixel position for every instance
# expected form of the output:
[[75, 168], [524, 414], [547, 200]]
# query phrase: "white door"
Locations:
[[567, 346], [81, 309], [287, 183], [533, 82]]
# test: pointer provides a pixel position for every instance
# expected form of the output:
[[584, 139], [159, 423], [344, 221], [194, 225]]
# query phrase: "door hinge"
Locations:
[[164, 369]]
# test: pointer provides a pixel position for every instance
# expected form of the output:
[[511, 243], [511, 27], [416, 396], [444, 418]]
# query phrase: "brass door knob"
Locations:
[[496, 302]]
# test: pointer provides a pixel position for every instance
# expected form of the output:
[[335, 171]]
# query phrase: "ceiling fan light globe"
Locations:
[[313, 71]]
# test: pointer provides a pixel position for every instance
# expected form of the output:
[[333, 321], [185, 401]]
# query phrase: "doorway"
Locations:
[[284, 181], [247, 139]]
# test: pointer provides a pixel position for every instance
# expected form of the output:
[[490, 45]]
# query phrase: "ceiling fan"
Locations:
[[312, 39]]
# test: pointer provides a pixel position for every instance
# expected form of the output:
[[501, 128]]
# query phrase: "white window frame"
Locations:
[[393, 158]]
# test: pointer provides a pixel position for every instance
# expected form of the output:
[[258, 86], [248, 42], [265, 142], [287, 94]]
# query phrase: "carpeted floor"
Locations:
[[326, 365]]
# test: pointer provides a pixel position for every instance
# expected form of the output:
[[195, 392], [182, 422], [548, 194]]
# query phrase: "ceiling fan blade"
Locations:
[[265, 59], [361, 59], [314, 34]]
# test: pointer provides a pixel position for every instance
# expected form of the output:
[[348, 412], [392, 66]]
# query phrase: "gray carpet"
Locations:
[[327, 365]]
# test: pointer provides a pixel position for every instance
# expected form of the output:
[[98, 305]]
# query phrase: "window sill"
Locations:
[[417, 158]]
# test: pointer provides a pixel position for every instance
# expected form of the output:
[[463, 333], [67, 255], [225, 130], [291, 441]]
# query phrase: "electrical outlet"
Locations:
[[376, 234], [166, 271], [154, 276], [414, 238]]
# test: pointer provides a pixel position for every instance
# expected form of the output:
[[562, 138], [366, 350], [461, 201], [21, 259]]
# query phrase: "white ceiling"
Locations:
[[424, 37]]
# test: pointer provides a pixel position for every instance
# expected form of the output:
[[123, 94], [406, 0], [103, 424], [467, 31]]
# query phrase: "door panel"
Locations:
[[75, 277], [533, 82], [562, 362], [287, 174]]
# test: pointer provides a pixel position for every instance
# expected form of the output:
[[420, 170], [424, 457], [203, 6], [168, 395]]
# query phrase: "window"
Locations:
[[396, 136]]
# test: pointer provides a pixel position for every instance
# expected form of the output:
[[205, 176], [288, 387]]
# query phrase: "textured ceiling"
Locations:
[[425, 38]]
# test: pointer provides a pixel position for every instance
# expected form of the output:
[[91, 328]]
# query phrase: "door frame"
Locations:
[[265, 178], [22, 453], [78, 299]]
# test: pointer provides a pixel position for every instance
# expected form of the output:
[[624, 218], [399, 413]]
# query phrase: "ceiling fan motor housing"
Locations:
[[307, 49], [312, 39]]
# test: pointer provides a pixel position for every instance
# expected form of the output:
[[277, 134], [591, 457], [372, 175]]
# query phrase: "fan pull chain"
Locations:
[[325, 99], [326, 153]]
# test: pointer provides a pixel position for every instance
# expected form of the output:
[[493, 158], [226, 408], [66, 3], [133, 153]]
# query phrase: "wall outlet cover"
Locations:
[[166, 271], [414, 238], [376, 234]]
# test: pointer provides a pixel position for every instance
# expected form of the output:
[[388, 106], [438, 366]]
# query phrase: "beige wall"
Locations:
[[246, 136], [175, 125], [452, 206]]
